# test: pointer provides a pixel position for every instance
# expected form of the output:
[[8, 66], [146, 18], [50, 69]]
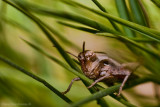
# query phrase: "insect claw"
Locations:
[[118, 94], [64, 92]]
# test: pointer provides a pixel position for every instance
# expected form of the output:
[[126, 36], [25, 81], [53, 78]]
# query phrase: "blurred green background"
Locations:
[[19, 90]]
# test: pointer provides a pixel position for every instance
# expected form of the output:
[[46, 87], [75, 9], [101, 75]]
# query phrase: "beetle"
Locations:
[[99, 67]]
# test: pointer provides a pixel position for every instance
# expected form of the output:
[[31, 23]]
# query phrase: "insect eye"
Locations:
[[106, 63]]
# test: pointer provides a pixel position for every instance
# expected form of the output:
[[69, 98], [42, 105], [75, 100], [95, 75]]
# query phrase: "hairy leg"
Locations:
[[70, 85]]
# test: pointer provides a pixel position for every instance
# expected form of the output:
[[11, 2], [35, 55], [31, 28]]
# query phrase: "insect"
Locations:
[[99, 67]]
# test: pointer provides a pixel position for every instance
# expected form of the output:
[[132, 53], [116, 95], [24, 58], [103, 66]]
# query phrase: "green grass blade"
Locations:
[[61, 37], [123, 12], [145, 13], [49, 86], [99, 5], [53, 31], [104, 10], [97, 95], [155, 54], [114, 88], [79, 27], [143, 30], [48, 35], [156, 2], [69, 16], [137, 12]]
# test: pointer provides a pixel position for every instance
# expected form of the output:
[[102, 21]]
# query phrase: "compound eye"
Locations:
[[106, 63]]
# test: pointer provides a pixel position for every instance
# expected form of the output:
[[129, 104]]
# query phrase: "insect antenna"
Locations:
[[83, 46], [84, 50], [72, 54]]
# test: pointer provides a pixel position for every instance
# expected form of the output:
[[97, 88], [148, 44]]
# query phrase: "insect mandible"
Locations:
[[99, 67]]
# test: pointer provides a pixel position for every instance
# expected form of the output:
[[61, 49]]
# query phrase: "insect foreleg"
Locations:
[[122, 85], [99, 79], [70, 85]]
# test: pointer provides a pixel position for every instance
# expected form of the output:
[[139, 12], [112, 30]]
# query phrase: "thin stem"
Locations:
[[104, 10], [46, 84]]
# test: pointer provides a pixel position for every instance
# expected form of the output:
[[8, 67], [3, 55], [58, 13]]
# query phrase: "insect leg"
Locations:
[[70, 85], [122, 85], [99, 79]]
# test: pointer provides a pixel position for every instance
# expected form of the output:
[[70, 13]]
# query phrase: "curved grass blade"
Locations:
[[97, 95], [69, 16], [114, 88], [123, 12], [143, 30], [155, 54], [104, 10], [48, 35], [58, 34], [156, 2], [46, 84], [146, 17], [79, 27], [137, 12]]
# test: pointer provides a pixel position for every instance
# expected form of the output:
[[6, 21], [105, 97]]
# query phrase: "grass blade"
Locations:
[[36, 78], [104, 10], [156, 2], [143, 30], [137, 12], [97, 95], [114, 88], [155, 54], [78, 27], [123, 12], [69, 16], [48, 35]]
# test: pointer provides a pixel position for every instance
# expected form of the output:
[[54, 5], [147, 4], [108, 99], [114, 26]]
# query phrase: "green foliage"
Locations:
[[133, 28]]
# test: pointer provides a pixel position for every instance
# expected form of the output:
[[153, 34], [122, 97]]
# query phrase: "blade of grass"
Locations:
[[143, 40], [143, 30], [61, 36], [48, 35], [104, 10], [56, 33], [123, 12], [137, 12], [110, 90], [46, 84], [155, 54], [156, 2], [146, 17], [97, 95], [78, 27], [68, 16]]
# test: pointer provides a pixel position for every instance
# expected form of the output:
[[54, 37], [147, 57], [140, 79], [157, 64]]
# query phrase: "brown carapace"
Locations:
[[99, 67]]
